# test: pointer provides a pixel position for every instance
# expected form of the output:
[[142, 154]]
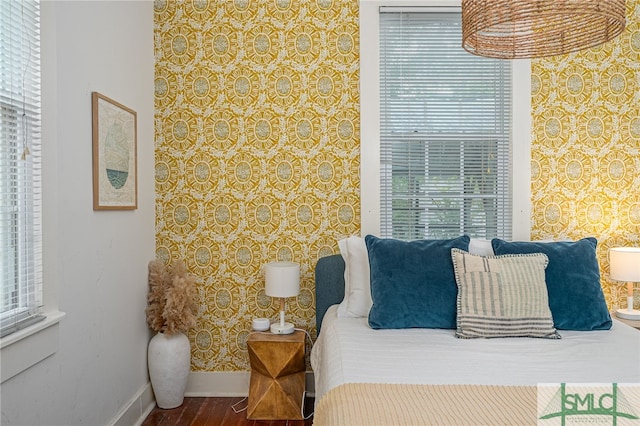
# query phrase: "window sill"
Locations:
[[27, 347]]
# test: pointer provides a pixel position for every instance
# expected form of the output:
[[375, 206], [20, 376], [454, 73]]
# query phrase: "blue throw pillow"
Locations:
[[412, 283], [573, 281]]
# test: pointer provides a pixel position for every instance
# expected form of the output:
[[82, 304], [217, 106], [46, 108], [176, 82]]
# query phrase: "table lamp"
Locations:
[[282, 279], [624, 265]]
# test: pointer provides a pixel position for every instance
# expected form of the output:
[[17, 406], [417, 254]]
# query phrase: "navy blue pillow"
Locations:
[[573, 281], [412, 283]]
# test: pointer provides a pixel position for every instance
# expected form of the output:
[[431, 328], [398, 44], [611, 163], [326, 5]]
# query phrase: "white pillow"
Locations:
[[357, 287], [480, 247]]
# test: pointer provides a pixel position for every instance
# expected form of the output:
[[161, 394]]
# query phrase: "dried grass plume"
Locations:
[[171, 299]]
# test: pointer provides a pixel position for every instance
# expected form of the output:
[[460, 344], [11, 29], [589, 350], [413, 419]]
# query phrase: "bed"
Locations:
[[428, 376]]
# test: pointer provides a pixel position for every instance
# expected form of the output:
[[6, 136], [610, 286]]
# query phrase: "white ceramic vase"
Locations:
[[169, 359]]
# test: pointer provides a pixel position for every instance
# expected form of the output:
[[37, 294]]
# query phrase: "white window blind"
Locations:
[[445, 128], [20, 160]]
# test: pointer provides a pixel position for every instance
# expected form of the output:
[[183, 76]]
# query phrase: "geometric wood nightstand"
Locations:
[[277, 380]]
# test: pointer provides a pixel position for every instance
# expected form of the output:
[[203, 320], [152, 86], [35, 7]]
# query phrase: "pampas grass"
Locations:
[[171, 298]]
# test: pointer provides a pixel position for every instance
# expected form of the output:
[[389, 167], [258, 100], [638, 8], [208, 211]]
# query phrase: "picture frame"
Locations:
[[115, 163]]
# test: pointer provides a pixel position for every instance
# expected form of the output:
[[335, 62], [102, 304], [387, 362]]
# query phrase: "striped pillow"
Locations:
[[502, 296]]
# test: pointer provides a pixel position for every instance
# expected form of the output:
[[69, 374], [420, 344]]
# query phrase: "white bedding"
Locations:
[[348, 351]]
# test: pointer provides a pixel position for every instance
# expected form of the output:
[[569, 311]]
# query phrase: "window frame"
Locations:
[[370, 122], [25, 348], [21, 162]]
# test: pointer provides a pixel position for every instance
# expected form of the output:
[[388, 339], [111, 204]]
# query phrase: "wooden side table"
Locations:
[[277, 380]]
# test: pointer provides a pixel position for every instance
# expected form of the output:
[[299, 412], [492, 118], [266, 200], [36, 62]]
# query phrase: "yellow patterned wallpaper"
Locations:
[[586, 146], [257, 153]]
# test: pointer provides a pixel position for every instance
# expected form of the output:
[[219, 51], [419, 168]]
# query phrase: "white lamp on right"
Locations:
[[624, 265]]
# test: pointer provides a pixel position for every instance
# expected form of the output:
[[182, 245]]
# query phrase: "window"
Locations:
[[20, 160], [445, 130]]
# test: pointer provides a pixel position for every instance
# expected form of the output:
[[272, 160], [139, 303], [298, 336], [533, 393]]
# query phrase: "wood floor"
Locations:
[[216, 412]]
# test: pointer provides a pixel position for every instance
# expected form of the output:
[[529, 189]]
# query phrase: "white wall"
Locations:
[[95, 262]]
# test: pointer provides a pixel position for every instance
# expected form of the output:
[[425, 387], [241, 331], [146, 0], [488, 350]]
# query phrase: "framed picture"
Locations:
[[115, 170]]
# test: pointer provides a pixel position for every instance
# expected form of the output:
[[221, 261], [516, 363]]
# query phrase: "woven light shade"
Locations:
[[515, 29]]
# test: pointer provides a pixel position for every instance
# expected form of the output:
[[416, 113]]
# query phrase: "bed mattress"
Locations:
[[349, 351]]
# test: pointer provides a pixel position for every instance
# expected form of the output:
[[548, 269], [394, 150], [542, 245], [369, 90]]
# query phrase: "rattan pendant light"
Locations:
[[515, 29]]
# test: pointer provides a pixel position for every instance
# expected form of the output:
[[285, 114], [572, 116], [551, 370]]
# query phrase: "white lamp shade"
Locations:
[[282, 279], [624, 264]]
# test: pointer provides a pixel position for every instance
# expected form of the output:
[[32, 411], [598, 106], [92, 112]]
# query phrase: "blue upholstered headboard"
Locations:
[[329, 285]]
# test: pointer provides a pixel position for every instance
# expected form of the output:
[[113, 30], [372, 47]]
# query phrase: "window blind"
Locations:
[[20, 163], [445, 118]]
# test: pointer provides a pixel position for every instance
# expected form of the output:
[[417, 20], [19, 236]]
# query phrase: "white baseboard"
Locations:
[[218, 383], [227, 383], [137, 409]]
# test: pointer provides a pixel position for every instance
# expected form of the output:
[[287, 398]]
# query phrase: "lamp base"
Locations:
[[286, 328], [627, 314]]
